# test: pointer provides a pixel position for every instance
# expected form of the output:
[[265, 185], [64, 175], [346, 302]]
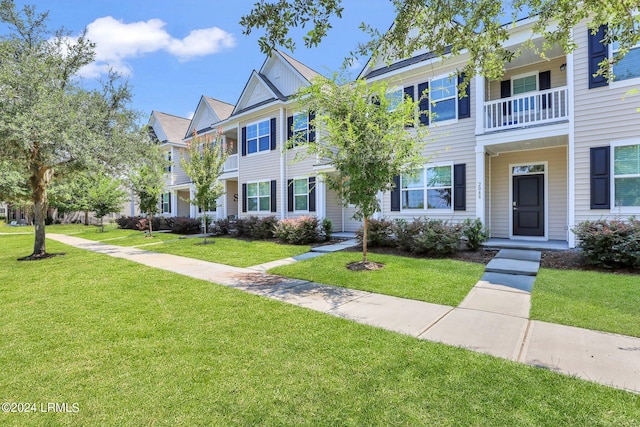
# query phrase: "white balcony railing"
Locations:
[[535, 108], [231, 164]]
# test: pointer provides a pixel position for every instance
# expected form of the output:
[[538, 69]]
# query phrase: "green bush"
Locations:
[[475, 232], [327, 229], [298, 231], [406, 232], [220, 227], [610, 244], [437, 238], [256, 228], [380, 234], [182, 225]]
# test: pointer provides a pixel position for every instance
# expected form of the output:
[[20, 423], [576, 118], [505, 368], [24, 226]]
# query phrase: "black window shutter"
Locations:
[[312, 194], [290, 195], [464, 104], [544, 80], [598, 51], [312, 128], [169, 202], [408, 91], [273, 133], [274, 205], [244, 141], [424, 108], [395, 194], [505, 89], [460, 187], [244, 197], [600, 169], [289, 127]]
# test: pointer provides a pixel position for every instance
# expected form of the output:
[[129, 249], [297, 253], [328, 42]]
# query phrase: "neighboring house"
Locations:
[[531, 155]]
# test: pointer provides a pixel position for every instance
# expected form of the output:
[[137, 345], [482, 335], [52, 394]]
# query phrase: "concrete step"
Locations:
[[519, 254], [512, 266]]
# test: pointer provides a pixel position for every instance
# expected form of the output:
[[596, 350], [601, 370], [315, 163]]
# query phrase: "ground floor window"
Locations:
[[626, 175], [301, 194], [166, 202], [432, 184], [259, 196]]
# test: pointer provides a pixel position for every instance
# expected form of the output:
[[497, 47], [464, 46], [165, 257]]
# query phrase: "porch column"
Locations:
[[193, 210], [321, 198], [224, 197], [479, 191], [571, 167], [480, 94]]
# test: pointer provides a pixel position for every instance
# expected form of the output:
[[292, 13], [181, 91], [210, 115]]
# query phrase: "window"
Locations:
[[167, 168], [301, 126], [433, 184], [395, 97], [259, 137], [629, 66], [259, 196], [626, 175], [443, 99], [301, 194], [525, 84], [166, 202]]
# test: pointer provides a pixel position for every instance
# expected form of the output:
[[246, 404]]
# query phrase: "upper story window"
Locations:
[[629, 66], [524, 84], [443, 99], [259, 137], [395, 97], [626, 175], [301, 126], [433, 184]]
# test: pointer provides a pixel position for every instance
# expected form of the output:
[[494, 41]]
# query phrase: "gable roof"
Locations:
[[173, 127], [305, 71], [222, 109], [208, 112], [257, 80]]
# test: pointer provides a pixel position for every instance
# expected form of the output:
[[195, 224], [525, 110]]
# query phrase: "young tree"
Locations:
[[204, 164], [450, 26], [106, 195], [49, 123], [368, 136], [148, 182]]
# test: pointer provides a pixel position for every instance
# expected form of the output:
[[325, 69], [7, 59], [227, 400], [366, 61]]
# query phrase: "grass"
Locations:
[[601, 301], [439, 281], [136, 346]]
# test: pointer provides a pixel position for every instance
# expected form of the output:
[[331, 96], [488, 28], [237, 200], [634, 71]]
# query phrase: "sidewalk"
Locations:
[[493, 318]]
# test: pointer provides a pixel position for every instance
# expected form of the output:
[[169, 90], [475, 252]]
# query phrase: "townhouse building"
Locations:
[[548, 145]]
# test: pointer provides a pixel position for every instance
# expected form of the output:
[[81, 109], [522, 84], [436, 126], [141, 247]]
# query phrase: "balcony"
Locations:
[[530, 109], [231, 164]]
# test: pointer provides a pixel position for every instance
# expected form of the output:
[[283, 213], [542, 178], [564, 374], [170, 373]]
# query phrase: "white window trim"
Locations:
[[627, 210], [258, 196], [615, 84], [301, 113], [256, 124], [535, 73], [293, 183], [168, 203], [436, 123], [425, 189]]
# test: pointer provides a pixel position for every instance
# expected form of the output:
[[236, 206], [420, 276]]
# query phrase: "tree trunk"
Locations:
[[38, 181], [204, 220], [150, 225], [86, 218], [365, 237]]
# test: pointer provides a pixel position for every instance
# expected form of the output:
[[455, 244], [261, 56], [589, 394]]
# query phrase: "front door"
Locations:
[[528, 205]]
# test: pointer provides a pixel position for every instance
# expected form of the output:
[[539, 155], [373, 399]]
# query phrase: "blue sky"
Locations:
[[172, 52]]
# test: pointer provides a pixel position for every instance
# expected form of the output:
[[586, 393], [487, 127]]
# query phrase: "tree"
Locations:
[[204, 164], [148, 182], [50, 123], [451, 26], [70, 193], [368, 136], [105, 196]]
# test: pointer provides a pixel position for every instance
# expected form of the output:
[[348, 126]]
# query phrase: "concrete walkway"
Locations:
[[492, 319]]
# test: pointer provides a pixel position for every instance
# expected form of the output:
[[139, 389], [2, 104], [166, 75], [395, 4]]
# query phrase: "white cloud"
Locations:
[[116, 41]]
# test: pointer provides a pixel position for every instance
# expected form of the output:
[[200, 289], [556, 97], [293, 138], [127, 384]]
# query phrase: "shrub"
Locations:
[[143, 224], [182, 225], [298, 231], [380, 233], [220, 227], [406, 232], [256, 228], [128, 222], [438, 238], [475, 232], [327, 229], [610, 244]]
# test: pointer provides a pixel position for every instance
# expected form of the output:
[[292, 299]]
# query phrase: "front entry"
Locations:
[[528, 205]]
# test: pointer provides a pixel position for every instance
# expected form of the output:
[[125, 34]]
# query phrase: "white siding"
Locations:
[[602, 115]]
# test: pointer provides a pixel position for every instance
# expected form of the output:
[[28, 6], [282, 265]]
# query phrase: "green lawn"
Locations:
[[592, 300], [136, 346], [439, 281]]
